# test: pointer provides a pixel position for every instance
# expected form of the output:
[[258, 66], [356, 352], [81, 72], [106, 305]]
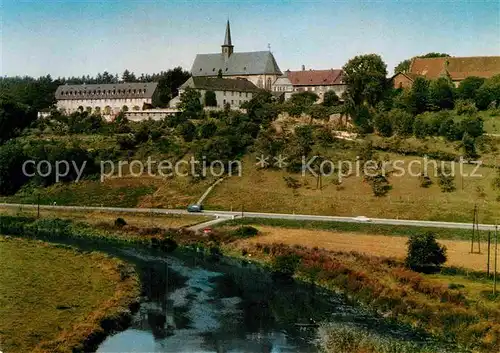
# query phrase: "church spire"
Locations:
[[227, 38], [227, 47]]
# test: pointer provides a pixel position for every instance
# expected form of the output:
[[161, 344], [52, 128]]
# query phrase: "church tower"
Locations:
[[227, 47]]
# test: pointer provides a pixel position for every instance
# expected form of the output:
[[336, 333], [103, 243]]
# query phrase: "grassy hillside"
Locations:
[[52, 297], [266, 191]]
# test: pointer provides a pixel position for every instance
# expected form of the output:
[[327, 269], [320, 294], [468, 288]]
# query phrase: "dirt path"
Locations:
[[458, 251]]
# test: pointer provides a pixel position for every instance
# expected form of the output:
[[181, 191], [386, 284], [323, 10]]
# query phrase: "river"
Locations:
[[193, 304]]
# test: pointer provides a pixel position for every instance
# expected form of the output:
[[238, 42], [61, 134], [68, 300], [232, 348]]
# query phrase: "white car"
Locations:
[[362, 219]]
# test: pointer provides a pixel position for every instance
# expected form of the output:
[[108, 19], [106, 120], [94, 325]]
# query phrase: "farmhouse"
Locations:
[[108, 99], [258, 67], [317, 81], [456, 68]]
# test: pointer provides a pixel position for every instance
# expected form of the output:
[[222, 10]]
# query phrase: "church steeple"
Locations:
[[227, 47]]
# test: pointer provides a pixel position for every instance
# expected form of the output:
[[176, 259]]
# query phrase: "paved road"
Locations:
[[226, 215]]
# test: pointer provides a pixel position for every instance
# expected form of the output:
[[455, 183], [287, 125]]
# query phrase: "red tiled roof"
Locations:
[[315, 77], [457, 67]]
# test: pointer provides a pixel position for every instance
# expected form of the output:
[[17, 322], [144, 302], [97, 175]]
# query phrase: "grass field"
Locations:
[[372, 245], [266, 191], [133, 219], [491, 123], [127, 191], [53, 297], [356, 228]]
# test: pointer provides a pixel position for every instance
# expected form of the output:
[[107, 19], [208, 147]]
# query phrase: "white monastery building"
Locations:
[[107, 99]]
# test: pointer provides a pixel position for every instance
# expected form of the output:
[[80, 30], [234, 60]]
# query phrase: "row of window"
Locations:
[[238, 102], [104, 92], [236, 93]]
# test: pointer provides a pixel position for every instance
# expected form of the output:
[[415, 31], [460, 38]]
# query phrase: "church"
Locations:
[[258, 67]]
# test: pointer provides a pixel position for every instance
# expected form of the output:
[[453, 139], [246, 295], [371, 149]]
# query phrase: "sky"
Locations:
[[74, 38]]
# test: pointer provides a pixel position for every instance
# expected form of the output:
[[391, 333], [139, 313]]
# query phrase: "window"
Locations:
[[232, 102], [240, 94], [246, 94], [224, 102], [224, 93]]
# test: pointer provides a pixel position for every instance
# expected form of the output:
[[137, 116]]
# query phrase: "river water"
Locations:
[[192, 304]]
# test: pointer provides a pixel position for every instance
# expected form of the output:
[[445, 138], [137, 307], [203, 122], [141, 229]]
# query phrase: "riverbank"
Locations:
[[57, 299], [440, 307]]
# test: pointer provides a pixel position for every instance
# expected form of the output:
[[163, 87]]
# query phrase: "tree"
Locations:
[[418, 97], [260, 108], [467, 89], [383, 124], [420, 127], [402, 121], [362, 119], [473, 126], [210, 99], [317, 111], [14, 117], [128, 76], [466, 107], [12, 158], [168, 85], [404, 66], [330, 99], [187, 130], [304, 138], [488, 93], [190, 103], [425, 254], [366, 79], [446, 179], [469, 146], [303, 100], [441, 93], [207, 129]]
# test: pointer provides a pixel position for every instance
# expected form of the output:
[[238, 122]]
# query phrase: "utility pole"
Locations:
[[495, 271], [488, 261], [473, 229]]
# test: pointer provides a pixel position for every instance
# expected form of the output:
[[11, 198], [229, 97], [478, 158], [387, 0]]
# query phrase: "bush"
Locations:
[[246, 231], [425, 181], [425, 254], [446, 179], [285, 265], [120, 222]]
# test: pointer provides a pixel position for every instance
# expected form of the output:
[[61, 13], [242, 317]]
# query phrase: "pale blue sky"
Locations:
[[68, 37]]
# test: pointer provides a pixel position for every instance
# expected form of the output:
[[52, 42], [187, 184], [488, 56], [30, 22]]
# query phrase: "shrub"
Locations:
[[446, 179], [425, 181], [285, 265], [120, 222], [425, 254], [246, 231]]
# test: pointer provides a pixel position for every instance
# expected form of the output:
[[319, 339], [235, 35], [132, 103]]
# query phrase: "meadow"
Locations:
[[266, 190], [54, 298], [96, 218]]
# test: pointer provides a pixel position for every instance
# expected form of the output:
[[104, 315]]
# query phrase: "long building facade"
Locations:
[[107, 99], [317, 81]]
